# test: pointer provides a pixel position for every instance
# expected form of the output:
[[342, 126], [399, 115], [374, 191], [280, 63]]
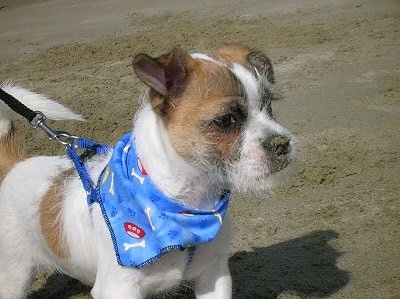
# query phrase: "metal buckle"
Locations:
[[62, 137], [37, 120], [66, 139]]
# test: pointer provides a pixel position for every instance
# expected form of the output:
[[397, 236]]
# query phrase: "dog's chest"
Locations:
[[144, 224]]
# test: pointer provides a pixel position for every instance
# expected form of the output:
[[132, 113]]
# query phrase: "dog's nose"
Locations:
[[277, 144]]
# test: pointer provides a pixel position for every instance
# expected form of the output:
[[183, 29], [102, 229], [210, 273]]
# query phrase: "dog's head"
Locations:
[[216, 108]]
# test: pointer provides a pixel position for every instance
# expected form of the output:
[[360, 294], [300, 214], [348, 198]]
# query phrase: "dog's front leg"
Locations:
[[214, 283], [112, 281]]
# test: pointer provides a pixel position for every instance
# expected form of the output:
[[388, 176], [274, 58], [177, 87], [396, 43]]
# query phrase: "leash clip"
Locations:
[[37, 120], [65, 138]]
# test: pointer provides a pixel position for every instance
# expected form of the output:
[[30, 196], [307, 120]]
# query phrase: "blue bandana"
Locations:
[[144, 223]]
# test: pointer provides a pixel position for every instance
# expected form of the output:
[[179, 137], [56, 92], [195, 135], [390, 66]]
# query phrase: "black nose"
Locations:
[[277, 144]]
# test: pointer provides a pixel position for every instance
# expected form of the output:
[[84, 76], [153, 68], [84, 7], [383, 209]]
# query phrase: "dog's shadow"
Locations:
[[304, 266], [59, 286]]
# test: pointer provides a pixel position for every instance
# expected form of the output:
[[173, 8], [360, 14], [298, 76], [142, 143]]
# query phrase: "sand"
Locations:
[[333, 230]]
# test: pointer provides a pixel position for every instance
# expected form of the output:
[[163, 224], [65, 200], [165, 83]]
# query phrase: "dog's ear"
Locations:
[[263, 65], [166, 74]]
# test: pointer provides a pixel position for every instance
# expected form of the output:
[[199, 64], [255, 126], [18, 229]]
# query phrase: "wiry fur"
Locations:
[[200, 130]]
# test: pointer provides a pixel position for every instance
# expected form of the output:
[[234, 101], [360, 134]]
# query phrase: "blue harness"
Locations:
[[145, 224]]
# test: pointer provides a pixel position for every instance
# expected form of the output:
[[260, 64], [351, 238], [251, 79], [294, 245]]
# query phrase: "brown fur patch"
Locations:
[[50, 215], [234, 54], [11, 152], [209, 90]]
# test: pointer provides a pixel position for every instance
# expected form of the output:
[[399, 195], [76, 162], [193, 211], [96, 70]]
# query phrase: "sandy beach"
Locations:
[[333, 230]]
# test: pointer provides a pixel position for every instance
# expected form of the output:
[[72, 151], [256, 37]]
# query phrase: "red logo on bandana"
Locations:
[[133, 230]]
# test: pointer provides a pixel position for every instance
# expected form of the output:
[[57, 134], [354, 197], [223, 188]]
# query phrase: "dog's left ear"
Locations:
[[263, 65], [166, 74]]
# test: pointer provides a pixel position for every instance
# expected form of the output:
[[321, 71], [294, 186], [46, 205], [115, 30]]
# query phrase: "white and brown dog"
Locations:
[[205, 126]]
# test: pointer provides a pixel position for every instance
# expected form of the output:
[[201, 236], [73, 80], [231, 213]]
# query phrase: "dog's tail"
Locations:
[[11, 150]]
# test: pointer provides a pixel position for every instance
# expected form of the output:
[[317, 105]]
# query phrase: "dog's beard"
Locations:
[[241, 176], [244, 174], [256, 176]]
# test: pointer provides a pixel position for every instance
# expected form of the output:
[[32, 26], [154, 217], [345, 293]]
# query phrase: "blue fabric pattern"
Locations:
[[144, 223]]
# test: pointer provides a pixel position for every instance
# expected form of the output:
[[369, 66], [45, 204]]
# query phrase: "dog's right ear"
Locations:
[[262, 63], [165, 75]]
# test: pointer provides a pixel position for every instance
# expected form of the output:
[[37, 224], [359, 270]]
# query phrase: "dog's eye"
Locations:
[[225, 122]]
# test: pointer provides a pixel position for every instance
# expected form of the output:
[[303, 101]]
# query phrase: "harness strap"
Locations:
[[91, 148], [100, 149]]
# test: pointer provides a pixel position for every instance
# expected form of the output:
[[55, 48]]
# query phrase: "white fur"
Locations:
[[250, 83], [172, 174], [92, 258], [203, 56], [251, 167]]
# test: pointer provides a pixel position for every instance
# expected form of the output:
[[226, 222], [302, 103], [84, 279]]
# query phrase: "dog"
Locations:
[[205, 129]]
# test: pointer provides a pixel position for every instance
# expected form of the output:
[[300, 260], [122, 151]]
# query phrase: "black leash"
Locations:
[[38, 120], [17, 106]]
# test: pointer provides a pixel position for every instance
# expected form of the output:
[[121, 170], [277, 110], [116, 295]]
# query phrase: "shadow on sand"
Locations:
[[59, 286], [305, 266]]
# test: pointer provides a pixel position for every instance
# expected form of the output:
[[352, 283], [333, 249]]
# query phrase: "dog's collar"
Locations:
[[143, 222]]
